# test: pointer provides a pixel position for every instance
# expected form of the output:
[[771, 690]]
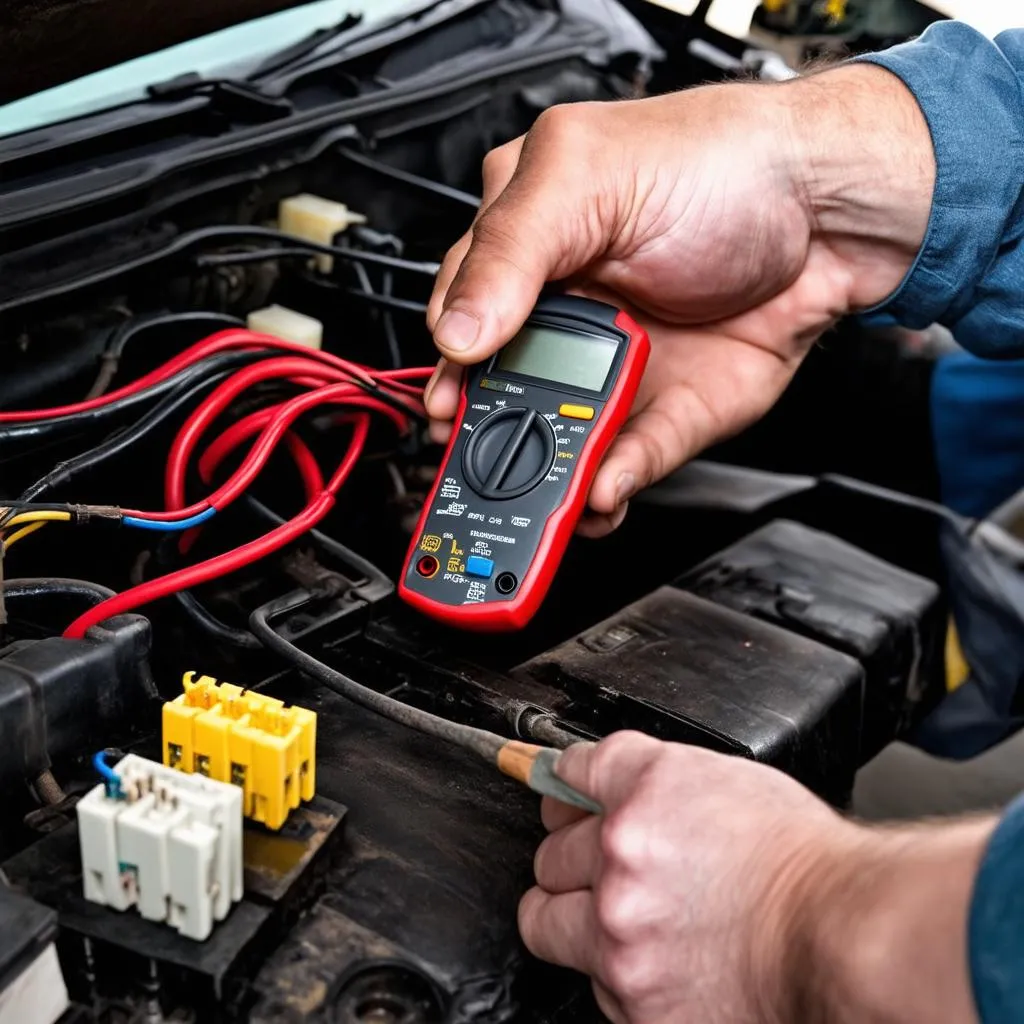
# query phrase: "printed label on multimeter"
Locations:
[[532, 427]]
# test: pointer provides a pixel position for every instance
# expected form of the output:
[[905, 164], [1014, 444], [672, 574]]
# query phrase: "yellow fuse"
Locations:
[[249, 739], [179, 721], [268, 773], [305, 720], [177, 729]]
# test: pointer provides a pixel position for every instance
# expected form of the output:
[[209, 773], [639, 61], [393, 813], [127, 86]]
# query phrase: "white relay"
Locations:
[[170, 845]]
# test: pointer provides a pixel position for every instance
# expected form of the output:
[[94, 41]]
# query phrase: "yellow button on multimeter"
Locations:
[[577, 412]]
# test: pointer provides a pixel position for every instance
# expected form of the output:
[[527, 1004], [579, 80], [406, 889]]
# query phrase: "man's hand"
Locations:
[[715, 889], [735, 222]]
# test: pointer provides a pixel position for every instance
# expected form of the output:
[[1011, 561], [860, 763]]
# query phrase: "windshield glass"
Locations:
[[231, 52]]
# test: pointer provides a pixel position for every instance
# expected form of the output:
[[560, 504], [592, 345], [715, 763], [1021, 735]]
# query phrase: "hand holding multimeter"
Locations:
[[533, 424]]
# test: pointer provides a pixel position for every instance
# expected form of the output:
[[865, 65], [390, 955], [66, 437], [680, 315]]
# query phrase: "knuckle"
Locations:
[[495, 160], [621, 841], [614, 903], [627, 971], [541, 862], [564, 121]]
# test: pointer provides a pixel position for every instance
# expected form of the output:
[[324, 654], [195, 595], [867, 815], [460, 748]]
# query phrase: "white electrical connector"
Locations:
[[170, 845], [317, 220], [286, 324]]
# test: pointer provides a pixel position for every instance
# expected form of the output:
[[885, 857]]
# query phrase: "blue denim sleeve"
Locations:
[[969, 274], [995, 927]]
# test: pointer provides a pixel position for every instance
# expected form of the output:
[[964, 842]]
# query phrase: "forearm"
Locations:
[[934, 129], [883, 926]]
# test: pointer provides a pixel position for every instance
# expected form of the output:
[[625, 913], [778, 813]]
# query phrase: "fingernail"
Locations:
[[624, 487], [456, 331]]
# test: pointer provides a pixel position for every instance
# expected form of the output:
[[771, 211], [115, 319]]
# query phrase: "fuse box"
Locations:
[[166, 843], [253, 741]]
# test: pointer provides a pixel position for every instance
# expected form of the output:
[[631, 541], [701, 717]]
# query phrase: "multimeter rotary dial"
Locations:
[[509, 453]]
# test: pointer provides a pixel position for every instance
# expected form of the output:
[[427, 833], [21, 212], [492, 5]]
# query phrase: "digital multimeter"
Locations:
[[533, 424]]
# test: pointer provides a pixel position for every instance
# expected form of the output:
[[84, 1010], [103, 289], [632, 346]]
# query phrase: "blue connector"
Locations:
[[111, 780]]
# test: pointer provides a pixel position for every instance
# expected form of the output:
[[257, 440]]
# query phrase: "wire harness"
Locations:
[[239, 363]]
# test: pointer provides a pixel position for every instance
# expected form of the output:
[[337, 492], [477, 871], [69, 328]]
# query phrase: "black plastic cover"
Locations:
[[61, 697], [686, 669], [812, 583]]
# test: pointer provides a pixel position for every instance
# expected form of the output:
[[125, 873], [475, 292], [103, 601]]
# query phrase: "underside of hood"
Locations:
[[44, 43]]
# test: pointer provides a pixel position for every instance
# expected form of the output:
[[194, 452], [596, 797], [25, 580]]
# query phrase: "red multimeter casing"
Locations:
[[533, 424]]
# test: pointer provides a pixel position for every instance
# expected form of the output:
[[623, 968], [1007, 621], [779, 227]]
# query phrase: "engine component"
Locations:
[[288, 325], [247, 739], [317, 220], [167, 843], [814, 584], [55, 693], [685, 669]]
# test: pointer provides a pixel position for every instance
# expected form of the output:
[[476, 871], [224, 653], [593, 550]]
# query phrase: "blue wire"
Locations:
[[111, 780], [169, 526]]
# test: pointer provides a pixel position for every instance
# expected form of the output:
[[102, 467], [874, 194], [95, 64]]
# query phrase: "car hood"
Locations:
[[111, 53]]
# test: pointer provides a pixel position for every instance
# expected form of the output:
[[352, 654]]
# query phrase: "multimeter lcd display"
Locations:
[[577, 360]]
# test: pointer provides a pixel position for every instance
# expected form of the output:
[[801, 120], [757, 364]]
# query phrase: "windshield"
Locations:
[[231, 52]]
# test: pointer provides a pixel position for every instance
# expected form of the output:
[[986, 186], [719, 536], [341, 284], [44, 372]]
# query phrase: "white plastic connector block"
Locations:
[[172, 847], [317, 220], [286, 324]]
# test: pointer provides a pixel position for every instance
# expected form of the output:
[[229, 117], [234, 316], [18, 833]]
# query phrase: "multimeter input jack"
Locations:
[[505, 583], [427, 566]]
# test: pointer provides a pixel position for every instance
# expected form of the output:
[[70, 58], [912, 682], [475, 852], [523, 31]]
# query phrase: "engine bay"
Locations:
[[775, 601]]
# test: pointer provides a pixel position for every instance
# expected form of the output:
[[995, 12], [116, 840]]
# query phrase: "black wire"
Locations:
[[110, 358], [479, 741], [189, 240], [56, 586], [388, 301], [290, 246], [79, 421], [388, 324], [131, 328], [390, 335], [202, 376], [408, 178], [76, 422]]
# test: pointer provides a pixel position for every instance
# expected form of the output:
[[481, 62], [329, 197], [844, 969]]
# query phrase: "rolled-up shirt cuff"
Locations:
[[995, 932], [970, 93]]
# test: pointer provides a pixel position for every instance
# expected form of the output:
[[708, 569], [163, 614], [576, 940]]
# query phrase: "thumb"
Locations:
[[506, 265], [534, 232], [608, 771]]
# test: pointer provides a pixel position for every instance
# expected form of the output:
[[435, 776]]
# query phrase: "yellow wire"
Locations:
[[30, 522], [23, 532], [38, 517]]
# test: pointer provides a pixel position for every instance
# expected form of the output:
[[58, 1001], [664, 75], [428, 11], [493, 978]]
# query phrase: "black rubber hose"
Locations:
[[191, 384], [192, 239], [479, 741], [55, 586], [36, 430]]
